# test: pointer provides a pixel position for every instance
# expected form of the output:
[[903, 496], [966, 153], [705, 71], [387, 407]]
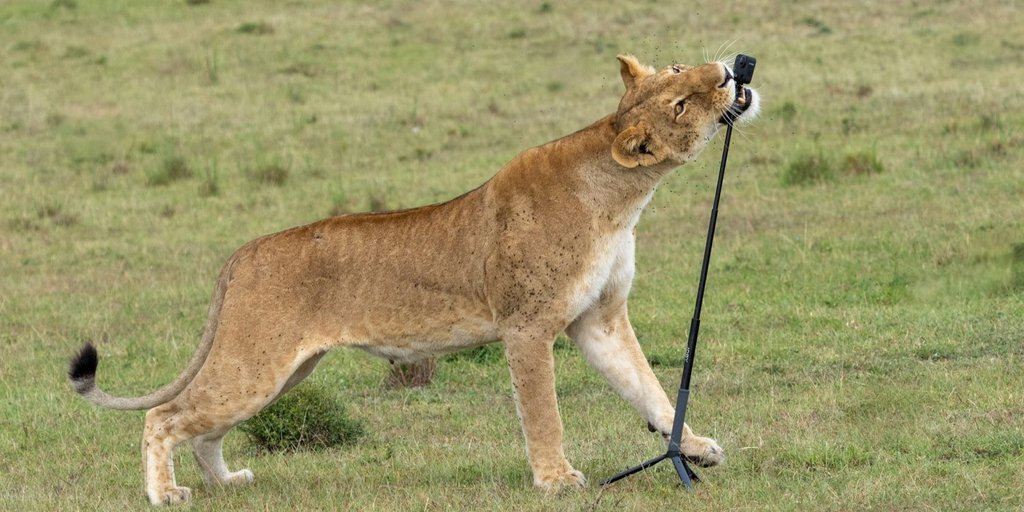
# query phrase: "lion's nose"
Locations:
[[728, 76]]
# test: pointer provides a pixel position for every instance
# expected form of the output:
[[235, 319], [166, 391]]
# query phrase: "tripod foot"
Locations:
[[686, 475], [635, 469]]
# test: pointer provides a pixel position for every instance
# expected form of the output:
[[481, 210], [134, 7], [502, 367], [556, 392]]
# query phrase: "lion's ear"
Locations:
[[632, 71], [635, 146]]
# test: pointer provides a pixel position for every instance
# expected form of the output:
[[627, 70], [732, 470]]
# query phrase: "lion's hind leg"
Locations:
[[228, 390], [209, 448], [159, 439], [209, 452]]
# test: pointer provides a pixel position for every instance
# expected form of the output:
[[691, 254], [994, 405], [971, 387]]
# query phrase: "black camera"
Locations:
[[743, 69]]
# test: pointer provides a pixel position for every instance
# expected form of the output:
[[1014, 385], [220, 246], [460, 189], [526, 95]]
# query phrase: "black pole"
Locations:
[[744, 69]]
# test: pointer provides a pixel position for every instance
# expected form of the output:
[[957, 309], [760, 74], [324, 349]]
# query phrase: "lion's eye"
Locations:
[[676, 69], [680, 107]]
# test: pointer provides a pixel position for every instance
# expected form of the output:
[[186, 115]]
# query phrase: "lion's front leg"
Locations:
[[531, 362], [608, 342]]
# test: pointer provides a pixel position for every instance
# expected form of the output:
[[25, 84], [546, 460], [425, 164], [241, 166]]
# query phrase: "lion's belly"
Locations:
[[411, 346]]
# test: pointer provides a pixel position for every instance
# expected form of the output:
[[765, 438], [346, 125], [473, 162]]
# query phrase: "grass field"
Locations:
[[863, 332]]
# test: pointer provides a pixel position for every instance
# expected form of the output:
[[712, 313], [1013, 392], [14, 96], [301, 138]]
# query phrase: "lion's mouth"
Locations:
[[740, 105]]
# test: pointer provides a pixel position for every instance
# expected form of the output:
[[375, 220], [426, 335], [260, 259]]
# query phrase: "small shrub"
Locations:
[[100, 184], [174, 168], [970, 158], [818, 24], [147, 147], [787, 111], [966, 39], [211, 184], [23, 225], [340, 203], [300, 68], [28, 46], [863, 163], [1017, 267], [310, 417], [272, 174], [377, 203], [48, 211], [896, 289], [808, 170], [418, 154], [296, 96], [56, 214], [851, 125], [197, 2], [64, 4], [212, 66], [75, 52], [256, 29], [411, 375], [935, 352], [65, 220], [989, 122]]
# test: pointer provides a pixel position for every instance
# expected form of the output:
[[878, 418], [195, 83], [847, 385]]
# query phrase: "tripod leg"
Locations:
[[686, 475], [635, 469]]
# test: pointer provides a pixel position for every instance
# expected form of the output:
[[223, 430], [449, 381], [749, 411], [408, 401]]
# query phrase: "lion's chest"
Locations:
[[610, 268], [610, 271]]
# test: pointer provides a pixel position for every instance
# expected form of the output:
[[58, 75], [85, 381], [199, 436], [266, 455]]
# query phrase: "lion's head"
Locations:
[[669, 116]]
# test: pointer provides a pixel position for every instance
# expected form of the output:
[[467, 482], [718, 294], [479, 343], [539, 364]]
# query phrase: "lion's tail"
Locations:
[[82, 370]]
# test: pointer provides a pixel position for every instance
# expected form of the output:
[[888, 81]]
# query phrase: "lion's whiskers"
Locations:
[[723, 50]]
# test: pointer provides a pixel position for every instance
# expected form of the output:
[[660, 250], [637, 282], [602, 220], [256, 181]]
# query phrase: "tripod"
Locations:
[[744, 69], [686, 475]]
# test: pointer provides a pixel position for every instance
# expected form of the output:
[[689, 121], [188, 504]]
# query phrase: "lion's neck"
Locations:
[[599, 181], [578, 172]]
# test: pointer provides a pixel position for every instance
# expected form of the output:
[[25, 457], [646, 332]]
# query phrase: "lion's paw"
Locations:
[[172, 496], [703, 451], [556, 481], [240, 477]]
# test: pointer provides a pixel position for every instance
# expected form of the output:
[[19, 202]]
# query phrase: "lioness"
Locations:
[[545, 246]]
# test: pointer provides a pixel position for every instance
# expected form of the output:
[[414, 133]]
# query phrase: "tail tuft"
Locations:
[[82, 370]]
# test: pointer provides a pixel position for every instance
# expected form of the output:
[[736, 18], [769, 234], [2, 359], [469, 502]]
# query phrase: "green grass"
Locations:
[[862, 337]]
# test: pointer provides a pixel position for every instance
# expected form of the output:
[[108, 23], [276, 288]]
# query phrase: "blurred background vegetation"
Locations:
[[863, 330]]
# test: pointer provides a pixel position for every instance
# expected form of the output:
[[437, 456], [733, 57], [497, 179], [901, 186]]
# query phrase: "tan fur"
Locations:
[[545, 246]]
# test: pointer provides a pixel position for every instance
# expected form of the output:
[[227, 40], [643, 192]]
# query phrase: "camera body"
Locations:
[[743, 69]]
